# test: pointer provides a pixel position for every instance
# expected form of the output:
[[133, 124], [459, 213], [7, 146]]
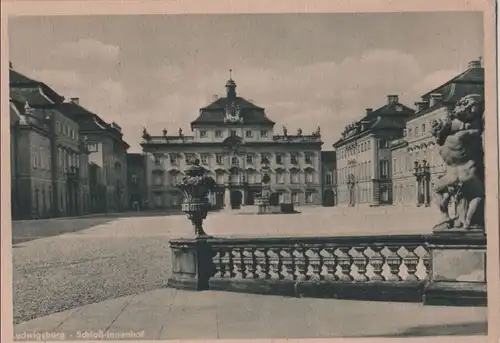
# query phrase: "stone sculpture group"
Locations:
[[460, 137]]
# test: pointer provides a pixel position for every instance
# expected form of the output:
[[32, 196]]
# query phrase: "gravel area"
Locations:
[[110, 260]]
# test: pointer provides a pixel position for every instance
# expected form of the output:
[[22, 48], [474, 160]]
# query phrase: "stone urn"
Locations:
[[196, 186]]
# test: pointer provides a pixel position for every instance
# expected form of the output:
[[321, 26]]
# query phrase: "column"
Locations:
[[417, 191], [427, 194]]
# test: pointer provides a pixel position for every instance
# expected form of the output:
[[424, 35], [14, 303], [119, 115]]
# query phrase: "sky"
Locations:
[[156, 71]]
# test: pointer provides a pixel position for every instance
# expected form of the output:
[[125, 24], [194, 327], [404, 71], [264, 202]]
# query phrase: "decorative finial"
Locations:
[[230, 74]]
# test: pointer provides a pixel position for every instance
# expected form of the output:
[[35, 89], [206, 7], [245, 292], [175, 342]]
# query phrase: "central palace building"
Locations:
[[234, 139]]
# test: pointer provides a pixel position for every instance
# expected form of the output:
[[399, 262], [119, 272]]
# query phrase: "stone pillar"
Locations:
[[427, 192], [458, 273], [192, 264], [417, 191], [227, 198]]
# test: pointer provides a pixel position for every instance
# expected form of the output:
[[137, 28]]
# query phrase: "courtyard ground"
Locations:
[[91, 260]]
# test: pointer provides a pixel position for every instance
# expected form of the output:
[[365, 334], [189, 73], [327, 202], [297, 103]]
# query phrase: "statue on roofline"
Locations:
[[145, 135], [459, 136]]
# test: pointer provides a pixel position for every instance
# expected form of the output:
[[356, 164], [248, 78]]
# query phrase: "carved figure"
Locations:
[[285, 131], [299, 132], [459, 137], [145, 135], [180, 132], [165, 132]]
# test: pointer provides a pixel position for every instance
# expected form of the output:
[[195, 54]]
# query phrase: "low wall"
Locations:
[[377, 268]]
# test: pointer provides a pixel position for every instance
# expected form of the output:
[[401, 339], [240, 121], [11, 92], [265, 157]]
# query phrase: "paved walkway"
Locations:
[[171, 314]]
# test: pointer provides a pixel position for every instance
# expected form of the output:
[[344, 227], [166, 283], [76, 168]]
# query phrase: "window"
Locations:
[[134, 180], [219, 177], [189, 158], [383, 144], [219, 158], [294, 177], [294, 159], [263, 133], [58, 127], [233, 133], [394, 166], [309, 177], [203, 133], [249, 158], [251, 178], [409, 132], [218, 133], [423, 128], [384, 169], [295, 198], [280, 177], [416, 131], [309, 197], [173, 159], [248, 134], [329, 178], [279, 159], [264, 157], [234, 160], [204, 158], [158, 178]]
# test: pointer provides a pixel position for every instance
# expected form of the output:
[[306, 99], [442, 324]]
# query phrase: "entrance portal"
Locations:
[[328, 198], [235, 199]]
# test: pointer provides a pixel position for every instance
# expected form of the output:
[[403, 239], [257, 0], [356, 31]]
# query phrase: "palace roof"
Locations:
[[32, 91]]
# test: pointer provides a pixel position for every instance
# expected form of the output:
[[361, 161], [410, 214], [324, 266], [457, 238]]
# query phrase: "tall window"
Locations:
[[219, 178], [265, 157], [248, 134], [280, 177], [294, 177], [308, 158], [173, 159], [233, 133], [279, 159], [219, 158], [203, 133], [384, 169], [309, 197], [249, 158], [158, 178], [309, 177], [204, 158], [263, 133], [423, 128], [329, 178], [218, 133], [234, 160], [294, 159]]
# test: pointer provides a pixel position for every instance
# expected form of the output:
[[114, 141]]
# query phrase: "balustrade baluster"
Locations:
[[411, 262], [288, 264], [301, 263], [262, 262], [249, 262], [226, 268], [316, 263], [377, 262], [426, 259], [238, 263], [360, 261], [217, 261], [274, 259], [330, 262], [394, 263], [345, 263]]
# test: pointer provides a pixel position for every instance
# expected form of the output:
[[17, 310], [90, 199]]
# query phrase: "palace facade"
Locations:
[[363, 155], [49, 174], [234, 139], [416, 161]]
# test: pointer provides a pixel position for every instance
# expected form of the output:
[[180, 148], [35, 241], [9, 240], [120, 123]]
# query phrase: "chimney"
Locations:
[[369, 111], [434, 99], [392, 99], [475, 64], [75, 100], [421, 105]]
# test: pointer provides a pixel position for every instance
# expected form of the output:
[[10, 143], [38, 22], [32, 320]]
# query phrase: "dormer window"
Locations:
[[263, 133], [233, 133], [203, 133], [218, 133]]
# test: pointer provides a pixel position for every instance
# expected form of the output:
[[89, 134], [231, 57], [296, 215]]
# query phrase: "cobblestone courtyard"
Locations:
[[88, 260]]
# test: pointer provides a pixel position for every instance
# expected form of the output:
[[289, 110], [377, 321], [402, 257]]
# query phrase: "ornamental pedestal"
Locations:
[[192, 264], [458, 272]]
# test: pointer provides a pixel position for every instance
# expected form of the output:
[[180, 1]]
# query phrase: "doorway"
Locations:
[[328, 198], [235, 199]]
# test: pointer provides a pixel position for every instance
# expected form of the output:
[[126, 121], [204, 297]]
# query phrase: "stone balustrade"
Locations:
[[376, 268], [296, 266]]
